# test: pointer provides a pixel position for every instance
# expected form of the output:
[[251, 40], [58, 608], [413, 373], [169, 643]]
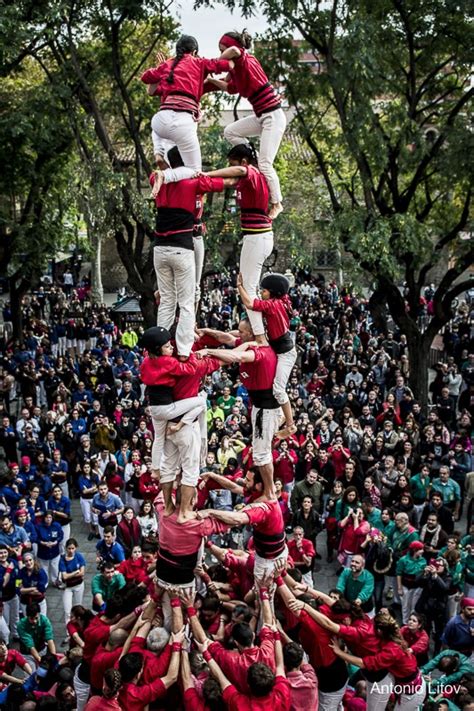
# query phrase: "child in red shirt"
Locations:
[[276, 308]]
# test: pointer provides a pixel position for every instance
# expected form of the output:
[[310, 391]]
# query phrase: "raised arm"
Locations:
[[225, 483], [230, 518], [233, 356], [232, 171], [317, 616], [244, 297], [227, 338], [186, 676]]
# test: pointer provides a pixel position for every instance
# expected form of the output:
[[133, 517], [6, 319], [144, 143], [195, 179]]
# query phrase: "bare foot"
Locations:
[[275, 209], [173, 427], [286, 431], [159, 178]]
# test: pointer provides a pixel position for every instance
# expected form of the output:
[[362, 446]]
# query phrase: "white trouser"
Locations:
[[378, 693], [199, 251], [264, 566], [331, 700], [453, 605], [72, 596], [255, 250], [160, 145], [87, 515], [308, 579], [176, 278], [62, 345], [262, 441], [66, 537], [270, 127], [180, 128], [413, 702], [11, 614], [4, 630], [285, 363], [191, 408], [51, 567], [181, 451], [165, 598], [409, 599], [82, 691]]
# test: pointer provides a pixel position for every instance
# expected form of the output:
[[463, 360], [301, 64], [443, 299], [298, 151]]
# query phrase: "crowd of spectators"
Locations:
[[373, 484]]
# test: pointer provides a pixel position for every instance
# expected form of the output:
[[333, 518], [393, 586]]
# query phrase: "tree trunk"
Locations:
[[97, 290], [148, 309], [16, 296], [419, 353]]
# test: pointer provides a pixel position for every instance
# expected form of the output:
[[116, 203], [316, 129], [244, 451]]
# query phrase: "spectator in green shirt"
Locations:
[[408, 569], [36, 634], [226, 402], [420, 488], [104, 585], [450, 489], [453, 666], [357, 584]]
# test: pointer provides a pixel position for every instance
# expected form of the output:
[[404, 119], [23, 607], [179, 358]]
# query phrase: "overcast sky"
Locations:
[[209, 24]]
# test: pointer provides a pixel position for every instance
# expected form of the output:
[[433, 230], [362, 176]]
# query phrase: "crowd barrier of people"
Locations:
[[224, 462]]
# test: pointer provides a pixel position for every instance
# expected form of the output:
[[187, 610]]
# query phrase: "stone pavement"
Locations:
[[325, 577]]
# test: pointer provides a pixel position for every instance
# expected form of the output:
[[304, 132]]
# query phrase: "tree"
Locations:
[[383, 109], [92, 53], [36, 169]]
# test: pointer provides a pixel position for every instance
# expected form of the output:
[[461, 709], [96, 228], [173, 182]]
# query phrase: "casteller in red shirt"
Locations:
[[235, 665], [279, 699]]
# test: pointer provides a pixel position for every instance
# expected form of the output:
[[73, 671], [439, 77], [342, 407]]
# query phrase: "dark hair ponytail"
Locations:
[[244, 151], [185, 45], [244, 38]]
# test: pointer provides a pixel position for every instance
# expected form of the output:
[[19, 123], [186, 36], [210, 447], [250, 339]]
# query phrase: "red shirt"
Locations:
[[235, 664], [360, 637], [315, 639], [248, 79], [154, 666], [241, 569], [103, 659], [179, 204], [252, 198], [276, 316], [165, 370], [95, 634], [12, 660], [304, 688], [148, 488], [188, 80], [189, 385], [193, 702], [135, 698], [278, 700], [394, 659], [134, 570], [285, 468], [179, 546], [268, 528], [307, 548], [260, 374], [418, 641]]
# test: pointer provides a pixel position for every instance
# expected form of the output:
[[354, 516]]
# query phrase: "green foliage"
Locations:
[[36, 206]]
